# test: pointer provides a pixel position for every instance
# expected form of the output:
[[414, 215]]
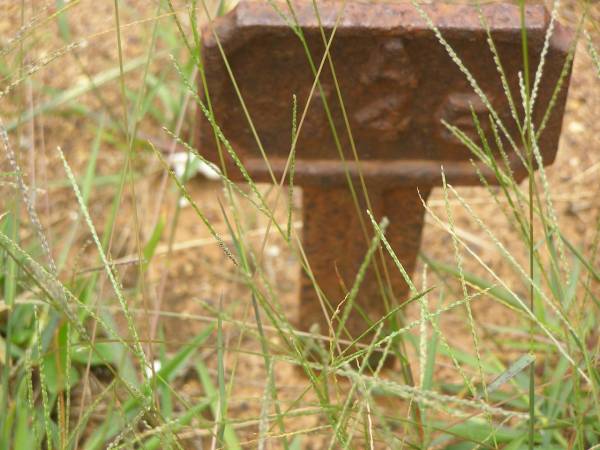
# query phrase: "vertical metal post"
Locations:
[[335, 247]]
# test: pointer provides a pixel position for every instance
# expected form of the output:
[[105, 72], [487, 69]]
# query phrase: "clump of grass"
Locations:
[[81, 368]]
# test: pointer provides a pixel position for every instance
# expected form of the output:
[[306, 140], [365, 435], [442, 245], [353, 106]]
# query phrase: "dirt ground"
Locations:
[[187, 284]]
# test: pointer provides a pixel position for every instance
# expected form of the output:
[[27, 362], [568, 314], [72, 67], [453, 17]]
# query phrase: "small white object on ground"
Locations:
[[179, 160]]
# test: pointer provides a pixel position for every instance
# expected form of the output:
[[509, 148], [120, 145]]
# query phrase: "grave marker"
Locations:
[[397, 83]]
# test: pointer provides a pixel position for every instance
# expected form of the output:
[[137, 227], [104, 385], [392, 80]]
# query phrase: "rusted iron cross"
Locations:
[[398, 84]]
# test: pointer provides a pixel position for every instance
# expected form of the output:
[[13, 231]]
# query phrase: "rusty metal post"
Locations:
[[334, 244], [398, 85]]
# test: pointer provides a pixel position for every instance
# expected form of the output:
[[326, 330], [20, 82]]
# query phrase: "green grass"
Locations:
[[85, 361]]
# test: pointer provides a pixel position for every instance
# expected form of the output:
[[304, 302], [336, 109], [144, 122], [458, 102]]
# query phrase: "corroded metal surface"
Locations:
[[335, 247], [398, 85], [396, 80]]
